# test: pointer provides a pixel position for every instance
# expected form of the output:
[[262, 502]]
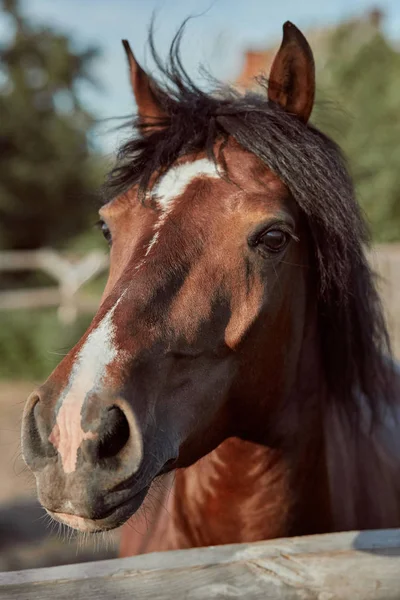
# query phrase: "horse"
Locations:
[[239, 355]]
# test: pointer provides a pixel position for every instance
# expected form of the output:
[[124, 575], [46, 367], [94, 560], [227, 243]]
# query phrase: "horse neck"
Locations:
[[244, 492], [322, 479], [257, 488]]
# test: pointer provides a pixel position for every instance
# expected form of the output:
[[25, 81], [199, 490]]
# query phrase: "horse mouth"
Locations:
[[113, 518]]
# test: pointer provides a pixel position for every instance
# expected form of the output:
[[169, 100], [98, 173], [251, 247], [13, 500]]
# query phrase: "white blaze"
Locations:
[[175, 181], [87, 374], [172, 185]]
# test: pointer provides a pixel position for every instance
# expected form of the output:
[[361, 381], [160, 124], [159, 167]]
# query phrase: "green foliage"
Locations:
[[360, 77], [31, 345], [47, 172], [48, 175]]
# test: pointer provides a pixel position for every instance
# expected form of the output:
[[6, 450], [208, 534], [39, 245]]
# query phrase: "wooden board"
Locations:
[[343, 566]]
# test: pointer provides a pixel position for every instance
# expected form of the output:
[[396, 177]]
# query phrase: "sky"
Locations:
[[217, 38]]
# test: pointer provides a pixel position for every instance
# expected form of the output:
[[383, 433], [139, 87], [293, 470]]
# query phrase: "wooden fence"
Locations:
[[343, 566], [69, 274], [385, 260]]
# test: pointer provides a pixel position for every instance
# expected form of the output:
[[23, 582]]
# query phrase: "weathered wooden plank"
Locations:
[[33, 298], [345, 566]]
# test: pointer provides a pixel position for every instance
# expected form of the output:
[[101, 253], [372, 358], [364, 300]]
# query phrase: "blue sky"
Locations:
[[216, 39]]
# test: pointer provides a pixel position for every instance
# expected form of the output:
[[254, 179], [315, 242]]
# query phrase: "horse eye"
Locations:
[[105, 231], [274, 240]]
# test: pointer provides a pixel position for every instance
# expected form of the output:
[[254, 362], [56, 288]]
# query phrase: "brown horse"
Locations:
[[240, 341]]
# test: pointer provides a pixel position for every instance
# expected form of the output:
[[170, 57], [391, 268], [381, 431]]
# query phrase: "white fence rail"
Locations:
[[385, 260], [70, 275]]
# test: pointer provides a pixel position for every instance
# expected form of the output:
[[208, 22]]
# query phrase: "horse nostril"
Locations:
[[115, 434], [35, 444], [32, 429]]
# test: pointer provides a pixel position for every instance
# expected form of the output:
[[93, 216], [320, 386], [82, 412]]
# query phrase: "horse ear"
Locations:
[[143, 88], [292, 76]]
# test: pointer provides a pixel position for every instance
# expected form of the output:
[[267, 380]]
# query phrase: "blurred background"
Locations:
[[64, 94]]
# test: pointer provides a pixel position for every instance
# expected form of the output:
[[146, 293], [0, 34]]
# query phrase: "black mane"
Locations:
[[354, 341]]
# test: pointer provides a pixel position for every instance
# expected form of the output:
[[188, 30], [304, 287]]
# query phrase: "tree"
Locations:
[[47, 170], [359, 78]]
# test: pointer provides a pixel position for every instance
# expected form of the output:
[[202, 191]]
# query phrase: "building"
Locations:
[[259, 61]]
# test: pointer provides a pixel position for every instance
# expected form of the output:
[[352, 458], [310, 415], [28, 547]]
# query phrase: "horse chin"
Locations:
[[114, 518]]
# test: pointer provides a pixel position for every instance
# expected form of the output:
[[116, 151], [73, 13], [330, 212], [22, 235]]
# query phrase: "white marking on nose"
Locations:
[[86, 376], [175, 181]]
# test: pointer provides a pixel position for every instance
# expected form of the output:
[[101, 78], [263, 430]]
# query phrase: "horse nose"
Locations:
[[95, 432]]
